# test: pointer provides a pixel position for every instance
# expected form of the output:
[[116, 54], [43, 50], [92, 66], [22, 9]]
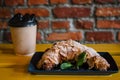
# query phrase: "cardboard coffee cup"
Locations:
[[23, 31]]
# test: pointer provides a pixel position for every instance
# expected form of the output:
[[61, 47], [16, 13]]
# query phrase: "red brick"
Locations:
[[118, 0], [81, 1], [38, 36], [5, 13], [58, 1], [60, 24], [108, 24], [37, 11], [14, 2], [119, 36], [64, 36], [37, 2], [64, 12], [83, 24], [99, 36], [108, 11], [105, 1], [3, 25], [43, 24]]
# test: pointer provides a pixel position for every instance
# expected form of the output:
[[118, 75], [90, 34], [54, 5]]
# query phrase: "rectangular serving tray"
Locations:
[[82, 71]]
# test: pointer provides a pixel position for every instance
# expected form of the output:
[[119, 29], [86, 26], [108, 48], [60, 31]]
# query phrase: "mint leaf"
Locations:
[[81, 59], [66, 65]]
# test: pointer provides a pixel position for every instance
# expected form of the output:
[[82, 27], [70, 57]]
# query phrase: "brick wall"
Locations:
[[87, 21]]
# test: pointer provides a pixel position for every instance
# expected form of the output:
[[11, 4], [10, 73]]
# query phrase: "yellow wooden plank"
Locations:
[[6, 46], [19, 73], [113, 48], [6, 61], [117, 60], [42, 47], [15, 67]]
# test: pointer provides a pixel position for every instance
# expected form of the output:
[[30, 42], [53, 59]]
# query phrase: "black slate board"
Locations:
[[82, 71]]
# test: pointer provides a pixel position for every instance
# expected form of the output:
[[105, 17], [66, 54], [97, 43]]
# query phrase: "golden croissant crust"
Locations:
[[69, 50]]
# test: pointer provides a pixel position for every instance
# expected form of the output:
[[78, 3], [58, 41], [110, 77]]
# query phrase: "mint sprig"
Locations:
[[66, 65], [79, 62], [81, 59]]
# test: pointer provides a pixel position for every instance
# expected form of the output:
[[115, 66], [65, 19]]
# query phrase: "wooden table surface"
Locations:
[[14, 67]]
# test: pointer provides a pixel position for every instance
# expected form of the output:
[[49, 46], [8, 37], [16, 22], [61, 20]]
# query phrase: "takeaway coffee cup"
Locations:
[[23, 32]]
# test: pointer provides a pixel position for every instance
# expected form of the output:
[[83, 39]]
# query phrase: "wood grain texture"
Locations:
[[14, 67]]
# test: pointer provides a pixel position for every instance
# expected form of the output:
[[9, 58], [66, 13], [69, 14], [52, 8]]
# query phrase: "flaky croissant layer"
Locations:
[[69, 50]]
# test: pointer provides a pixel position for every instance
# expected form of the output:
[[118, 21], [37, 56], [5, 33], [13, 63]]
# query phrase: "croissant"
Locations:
[[69, 50]]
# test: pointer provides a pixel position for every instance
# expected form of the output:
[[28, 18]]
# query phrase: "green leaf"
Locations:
[[66, 65], [81, 59]]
